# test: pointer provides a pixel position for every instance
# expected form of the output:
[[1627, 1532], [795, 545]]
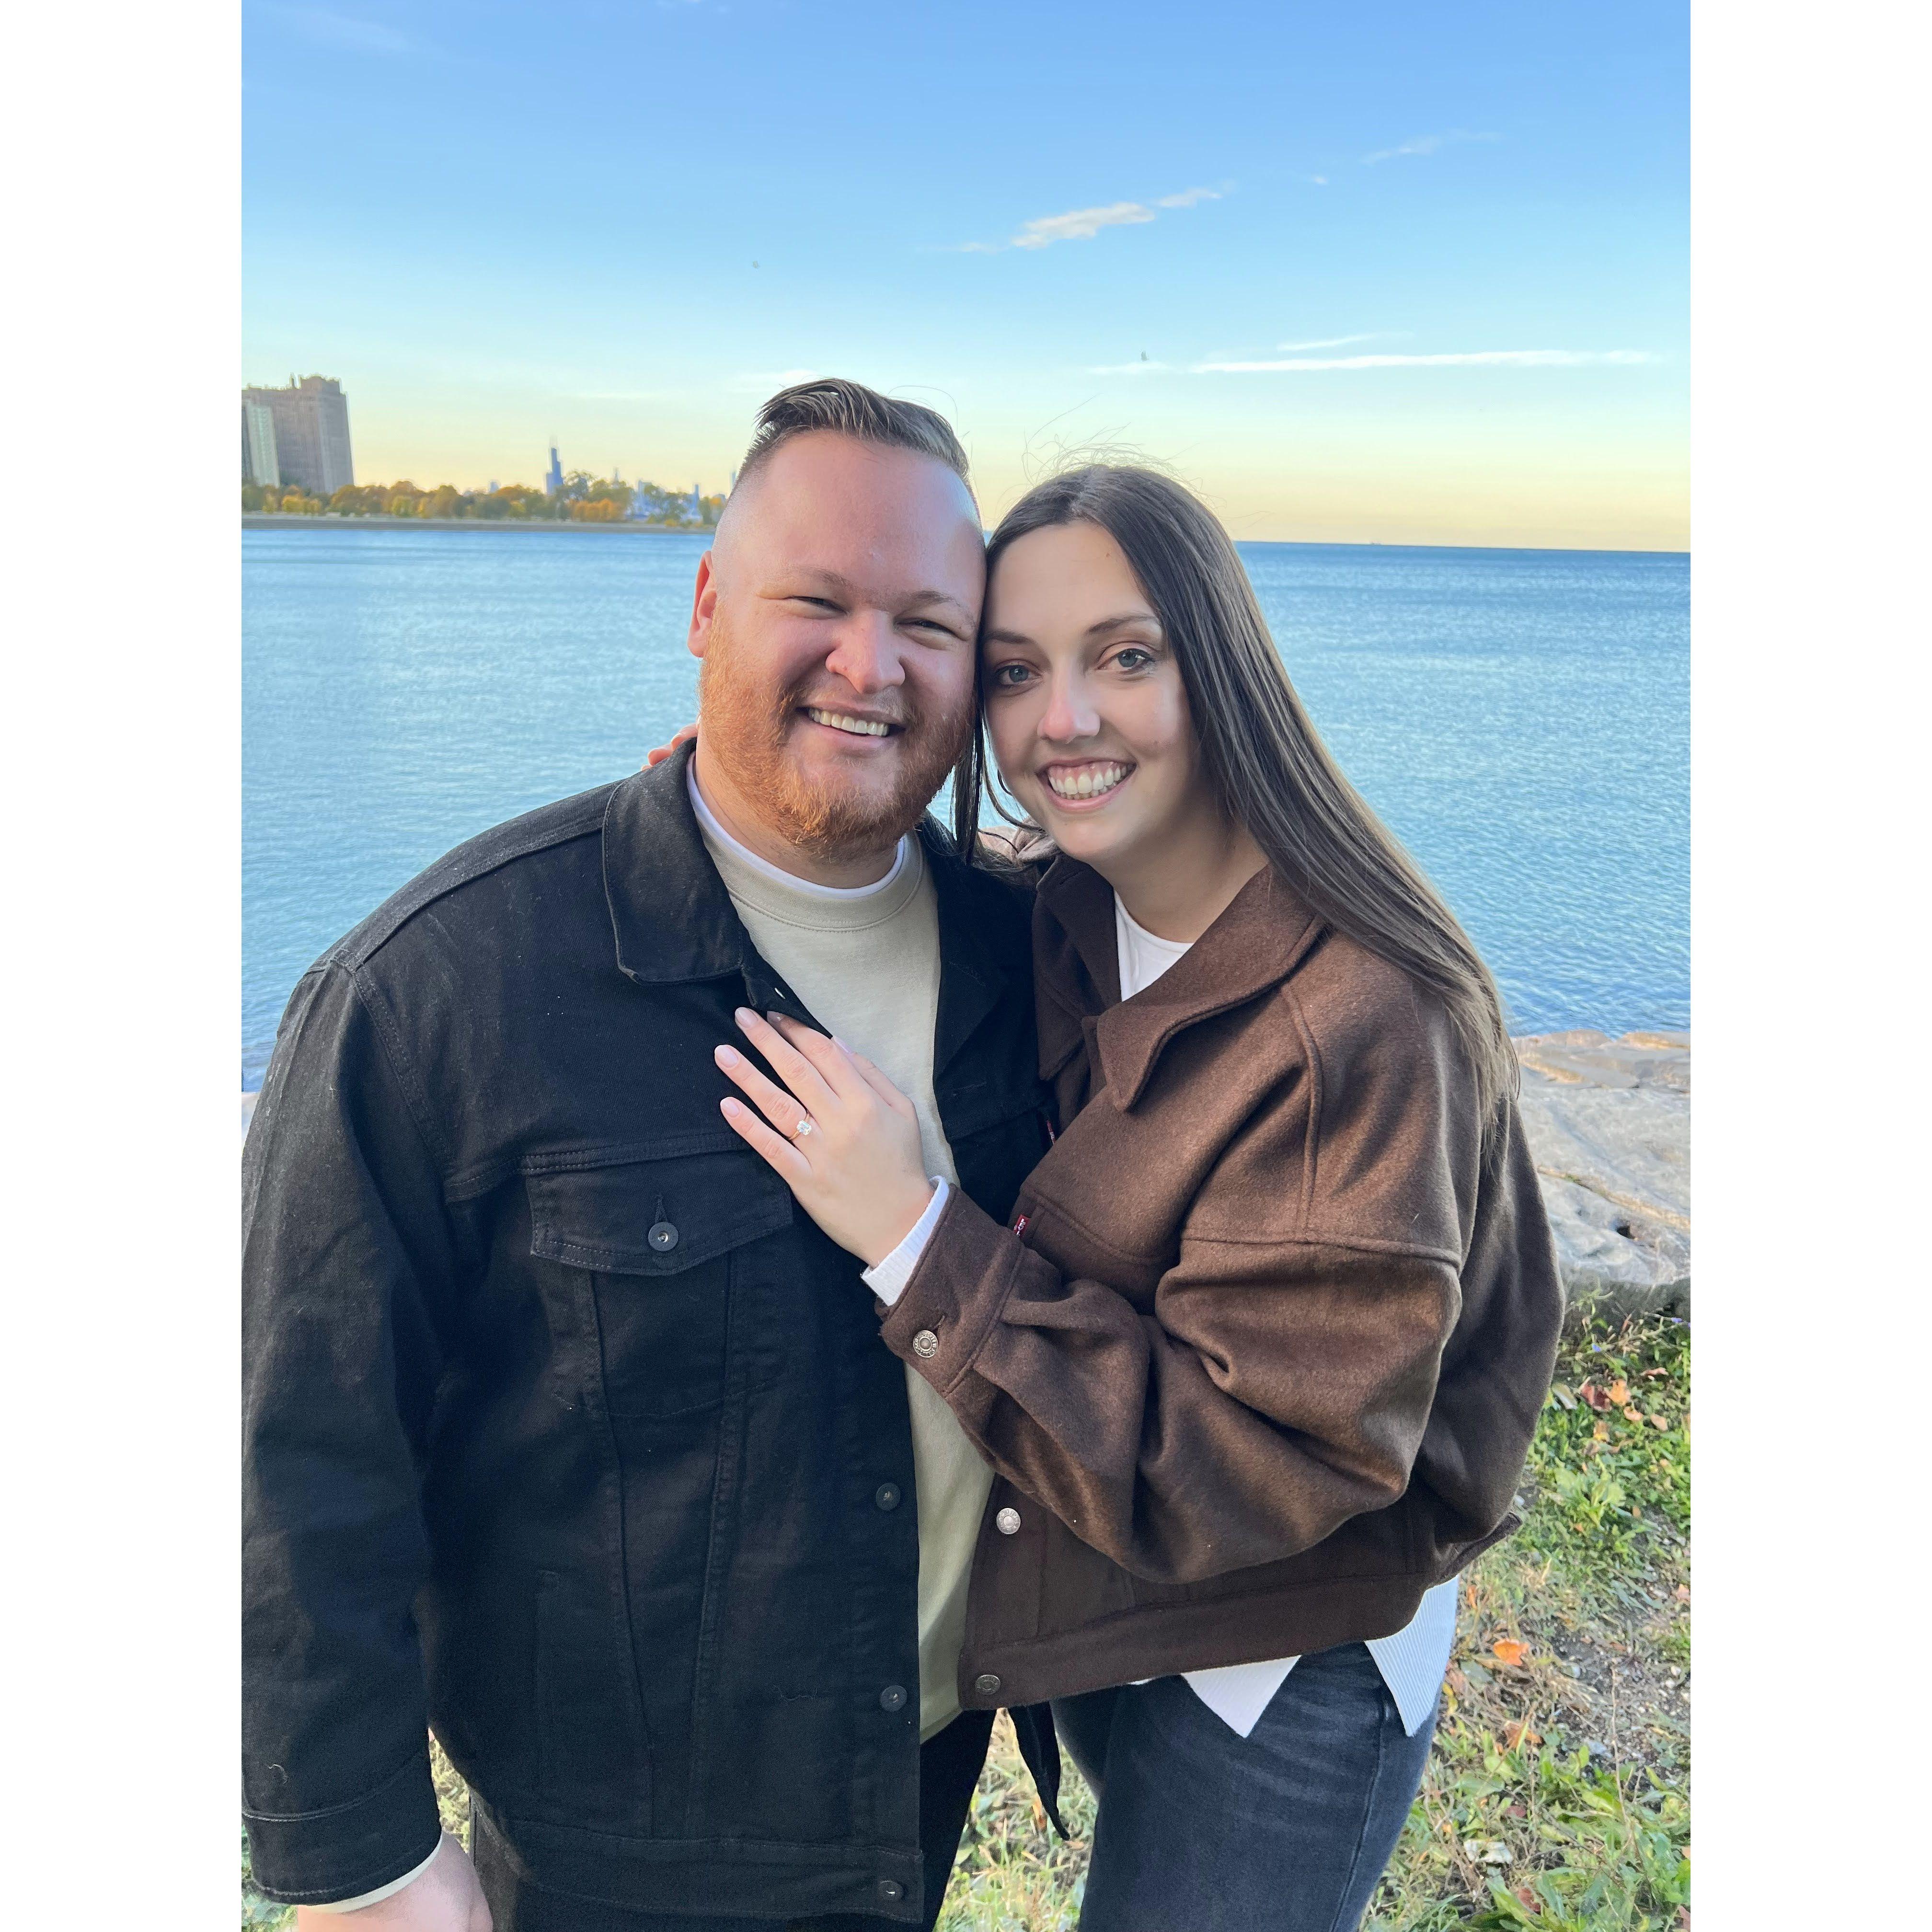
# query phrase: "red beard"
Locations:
[[746, 727]]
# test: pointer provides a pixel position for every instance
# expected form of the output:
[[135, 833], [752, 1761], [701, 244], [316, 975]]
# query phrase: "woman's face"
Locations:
[[1085, 703]]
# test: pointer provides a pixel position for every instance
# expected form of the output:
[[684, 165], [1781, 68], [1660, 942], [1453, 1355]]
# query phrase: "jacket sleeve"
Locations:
[[345, 1254], [1285, 1379]]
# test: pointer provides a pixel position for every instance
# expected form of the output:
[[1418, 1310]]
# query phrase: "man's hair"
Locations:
[[850, 409]]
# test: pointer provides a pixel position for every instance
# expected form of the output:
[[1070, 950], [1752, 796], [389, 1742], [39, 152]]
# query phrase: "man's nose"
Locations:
[[1070, 714], [867, 655]]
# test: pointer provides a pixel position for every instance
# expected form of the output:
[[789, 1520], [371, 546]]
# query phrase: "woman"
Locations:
[[1258, 1362]]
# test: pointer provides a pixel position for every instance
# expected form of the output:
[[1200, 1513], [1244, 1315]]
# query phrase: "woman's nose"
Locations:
[[1070, 714]]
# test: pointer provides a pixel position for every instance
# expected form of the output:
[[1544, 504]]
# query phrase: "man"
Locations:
[[566, 1434]]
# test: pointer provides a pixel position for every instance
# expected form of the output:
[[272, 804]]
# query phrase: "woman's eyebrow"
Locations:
[[1115, 623], [1005, 637]]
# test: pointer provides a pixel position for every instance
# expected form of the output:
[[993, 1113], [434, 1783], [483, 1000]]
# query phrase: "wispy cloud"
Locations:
[[1082, 224], [1143, 367], [328, 28], [1512, 358], [1425, 144], [1336, 341]]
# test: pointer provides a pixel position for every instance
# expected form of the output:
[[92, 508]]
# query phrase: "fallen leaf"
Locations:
[[1601, 1433], [1485, 1851], [1648, 1373], [1560, 1395], [1509, 1650], [1682, 1593], [1529, 1899], [1619, 1392], [1659, 1422], [1515, 1736], [1589, 1392]]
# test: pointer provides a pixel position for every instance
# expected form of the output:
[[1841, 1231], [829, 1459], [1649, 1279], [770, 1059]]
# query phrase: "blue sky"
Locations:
[[625, 224]]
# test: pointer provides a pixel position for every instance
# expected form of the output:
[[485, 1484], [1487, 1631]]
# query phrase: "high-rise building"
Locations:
[[553, 481], [307, 441], [258, 463]]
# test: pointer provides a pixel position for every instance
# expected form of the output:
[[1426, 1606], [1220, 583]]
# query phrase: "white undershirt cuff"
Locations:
[[887, 1279]]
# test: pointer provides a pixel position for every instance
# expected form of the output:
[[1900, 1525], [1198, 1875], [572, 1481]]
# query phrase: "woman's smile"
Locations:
[[1081, 784]]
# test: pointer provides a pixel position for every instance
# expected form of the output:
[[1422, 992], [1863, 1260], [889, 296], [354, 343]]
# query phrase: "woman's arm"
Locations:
[[1283, 1382]]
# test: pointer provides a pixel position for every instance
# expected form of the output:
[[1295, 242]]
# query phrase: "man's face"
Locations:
[[836, 615]]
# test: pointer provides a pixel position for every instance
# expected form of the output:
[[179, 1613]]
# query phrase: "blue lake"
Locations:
[[1520, 718]]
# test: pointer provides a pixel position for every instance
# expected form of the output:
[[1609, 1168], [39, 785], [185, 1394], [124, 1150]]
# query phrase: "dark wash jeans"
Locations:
[[949, 1770], [1286, 1830]]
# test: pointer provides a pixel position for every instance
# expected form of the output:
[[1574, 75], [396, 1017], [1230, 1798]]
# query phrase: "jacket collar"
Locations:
[[670, 916], [673, 920], [1254, 944]]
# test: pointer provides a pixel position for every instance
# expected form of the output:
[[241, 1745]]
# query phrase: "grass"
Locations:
[[1556, 1794]]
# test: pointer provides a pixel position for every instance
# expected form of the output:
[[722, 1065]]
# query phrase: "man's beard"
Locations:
[[746, 727]]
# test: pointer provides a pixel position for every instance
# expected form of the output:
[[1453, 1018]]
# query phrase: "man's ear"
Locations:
[[703, 607]]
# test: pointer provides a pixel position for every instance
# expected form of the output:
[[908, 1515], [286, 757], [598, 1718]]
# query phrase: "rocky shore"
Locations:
[[1609, 1123]]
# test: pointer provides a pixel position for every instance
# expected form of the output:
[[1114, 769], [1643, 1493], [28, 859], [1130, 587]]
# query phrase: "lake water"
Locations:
[[1520, 718]]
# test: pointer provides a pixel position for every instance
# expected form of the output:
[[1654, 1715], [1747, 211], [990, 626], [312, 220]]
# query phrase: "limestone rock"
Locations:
[[1609, 1124]]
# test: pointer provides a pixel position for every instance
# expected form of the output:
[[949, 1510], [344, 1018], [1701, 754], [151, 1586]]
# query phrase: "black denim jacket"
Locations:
[[566, 1431]]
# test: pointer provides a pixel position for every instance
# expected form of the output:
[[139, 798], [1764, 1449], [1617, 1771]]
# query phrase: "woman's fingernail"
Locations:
[[838, 1042], [731, 1107], [728, 1056], [742, 1014]]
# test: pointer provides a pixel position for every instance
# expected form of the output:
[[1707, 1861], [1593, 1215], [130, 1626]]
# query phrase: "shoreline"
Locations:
[[254, 520]]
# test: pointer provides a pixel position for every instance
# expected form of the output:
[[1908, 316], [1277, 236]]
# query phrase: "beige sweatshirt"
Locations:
[[866, 962]]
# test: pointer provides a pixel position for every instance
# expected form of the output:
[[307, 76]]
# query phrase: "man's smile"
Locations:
[[848, 722]]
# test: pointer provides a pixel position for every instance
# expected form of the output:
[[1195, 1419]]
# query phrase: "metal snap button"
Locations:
[[663, 1236], [1007, 1523], [891, 1891], [986, 1685], [887, 1496], [892, 1697], [925, 1345]]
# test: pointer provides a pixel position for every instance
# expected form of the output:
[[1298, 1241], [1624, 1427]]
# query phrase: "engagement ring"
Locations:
[[804, 1127]]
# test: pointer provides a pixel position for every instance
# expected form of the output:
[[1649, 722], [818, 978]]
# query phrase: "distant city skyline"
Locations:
[[1415, 277]]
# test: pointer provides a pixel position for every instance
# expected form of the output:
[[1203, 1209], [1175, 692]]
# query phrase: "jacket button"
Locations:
[[925, 1344], [1007, 1523], [886, 1496], [663, 1236], [891, 1891], [892, 1697], [986, 1685]]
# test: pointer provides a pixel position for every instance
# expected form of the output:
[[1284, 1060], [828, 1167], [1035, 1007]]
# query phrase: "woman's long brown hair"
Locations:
[[1263, 756]]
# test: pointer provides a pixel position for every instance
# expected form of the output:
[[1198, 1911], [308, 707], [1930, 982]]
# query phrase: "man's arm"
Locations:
[[347, 1266]]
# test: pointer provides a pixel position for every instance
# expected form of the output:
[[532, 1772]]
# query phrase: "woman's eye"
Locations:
[[1006, 677], [1135, 657]]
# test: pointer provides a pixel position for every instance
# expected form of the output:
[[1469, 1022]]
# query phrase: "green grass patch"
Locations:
[[1556, 1796]]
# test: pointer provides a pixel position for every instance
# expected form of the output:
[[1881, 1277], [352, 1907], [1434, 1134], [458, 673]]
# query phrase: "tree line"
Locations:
[[584, 498]]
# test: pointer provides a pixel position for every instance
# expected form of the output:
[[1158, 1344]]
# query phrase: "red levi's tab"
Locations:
[[1020, 1224]]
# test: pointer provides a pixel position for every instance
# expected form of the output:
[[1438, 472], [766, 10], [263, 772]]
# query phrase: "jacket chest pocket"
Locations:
[[660, 1243]]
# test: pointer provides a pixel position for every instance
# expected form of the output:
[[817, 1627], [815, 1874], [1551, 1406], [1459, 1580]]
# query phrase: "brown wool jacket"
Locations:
[[1259, 1360]]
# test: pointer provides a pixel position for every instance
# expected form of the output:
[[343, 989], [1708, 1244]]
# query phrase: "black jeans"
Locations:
[[949, 1770], [1286, 1830]]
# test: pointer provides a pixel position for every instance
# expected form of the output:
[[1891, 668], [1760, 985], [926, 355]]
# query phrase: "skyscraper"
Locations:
[[553, 481], [306, 441], [258, 461]]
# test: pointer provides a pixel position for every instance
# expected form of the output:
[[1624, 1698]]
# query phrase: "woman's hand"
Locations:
[[683, 735], [856, 1169]]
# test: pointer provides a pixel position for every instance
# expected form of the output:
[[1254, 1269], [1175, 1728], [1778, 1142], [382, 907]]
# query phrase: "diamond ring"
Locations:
[[804, 1126]]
